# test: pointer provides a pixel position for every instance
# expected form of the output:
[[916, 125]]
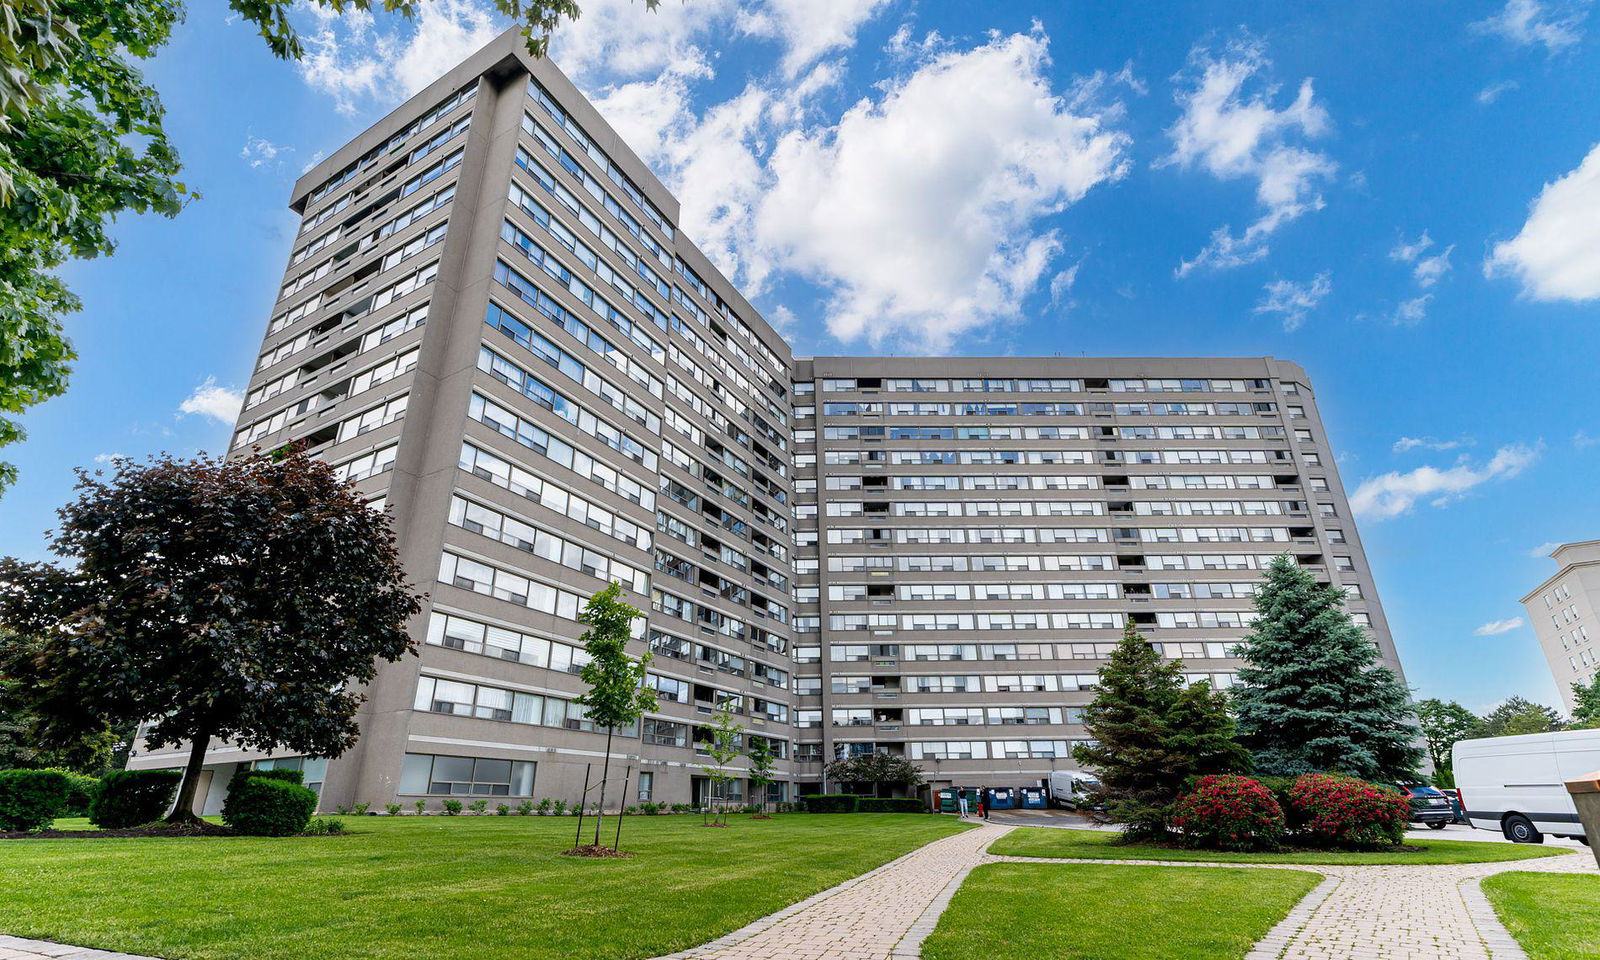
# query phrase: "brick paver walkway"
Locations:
[[866, 918], [1357, 913]]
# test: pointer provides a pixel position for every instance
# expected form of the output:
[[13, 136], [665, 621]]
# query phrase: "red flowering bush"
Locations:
[[1229, 813], [1333, 810]]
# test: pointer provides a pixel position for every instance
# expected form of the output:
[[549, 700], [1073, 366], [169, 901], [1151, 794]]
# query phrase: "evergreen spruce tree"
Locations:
[[1151, 735], [1312, 695]]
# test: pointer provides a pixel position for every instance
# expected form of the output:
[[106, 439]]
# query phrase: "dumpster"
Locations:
[[1003, 798], [1033, 798], [947, 799]]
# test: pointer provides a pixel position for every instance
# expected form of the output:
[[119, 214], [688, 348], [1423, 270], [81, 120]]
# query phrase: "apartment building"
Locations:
[[973, 534], [1561, 610], [492, 324]]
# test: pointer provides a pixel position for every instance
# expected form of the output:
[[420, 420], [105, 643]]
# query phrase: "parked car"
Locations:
[[1455, 804], [1428, 806], [1517, 785]]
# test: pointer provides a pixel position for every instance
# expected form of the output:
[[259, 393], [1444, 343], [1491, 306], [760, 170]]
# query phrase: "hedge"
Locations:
[[131, 798], [31, 799], [80, 793], [890, 805], [296, 777], [269, 807], [830, 802]]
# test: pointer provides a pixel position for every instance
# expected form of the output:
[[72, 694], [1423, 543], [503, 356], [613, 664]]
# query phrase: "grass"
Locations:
[[410, 887], [1075, 912], [1554, 917], [1099, 845]]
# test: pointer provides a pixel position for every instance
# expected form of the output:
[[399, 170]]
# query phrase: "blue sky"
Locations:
[[1404, 198]]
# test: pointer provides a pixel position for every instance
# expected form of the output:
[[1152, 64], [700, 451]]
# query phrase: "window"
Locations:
[[313, 769], [647, 785], [423, 774]]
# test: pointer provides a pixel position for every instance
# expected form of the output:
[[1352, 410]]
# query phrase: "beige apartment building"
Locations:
[[1561, 610], [492, 324]]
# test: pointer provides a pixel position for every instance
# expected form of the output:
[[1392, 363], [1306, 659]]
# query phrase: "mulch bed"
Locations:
[[597, 851], [201, 829], [1403, 848]]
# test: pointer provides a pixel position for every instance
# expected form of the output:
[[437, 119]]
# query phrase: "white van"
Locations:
[[1070, 788], [1517, 785]]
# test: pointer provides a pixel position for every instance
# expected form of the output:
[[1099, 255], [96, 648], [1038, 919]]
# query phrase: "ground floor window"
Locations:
[[314, 769], [428, 774], [777, 792], [647, 785]]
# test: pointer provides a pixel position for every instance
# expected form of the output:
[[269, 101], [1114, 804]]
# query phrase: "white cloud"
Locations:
[[1292, 301], [1543, 549], [210, 400], [1425, 270], [1412, 312], [918, 209], [808, 28], [1582, 440], [1061, 284], [1556, 255], [109, 458], [1407, 444], [618, 40], [1393, 494], [1496, 627], [260, 152], [350, 58], [1527, 23], [1233, 135], [1494, 91]]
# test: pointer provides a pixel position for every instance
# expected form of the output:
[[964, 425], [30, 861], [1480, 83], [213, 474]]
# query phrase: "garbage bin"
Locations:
[[1585, 792], [1033, 798]]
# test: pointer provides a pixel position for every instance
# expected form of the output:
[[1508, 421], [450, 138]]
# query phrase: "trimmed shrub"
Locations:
[[32, 799], [80, 793], [452, 808], [1229, 813], [830, 802], [1330, 809], [296, 777], [324, 827], [269, 807], [132, 798], [890, 805]]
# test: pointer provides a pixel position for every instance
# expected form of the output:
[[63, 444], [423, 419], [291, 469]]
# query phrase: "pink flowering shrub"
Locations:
[[1229, 813], [1333, 810]]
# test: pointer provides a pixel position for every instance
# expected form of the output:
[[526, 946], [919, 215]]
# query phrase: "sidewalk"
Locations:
[[881, 915]]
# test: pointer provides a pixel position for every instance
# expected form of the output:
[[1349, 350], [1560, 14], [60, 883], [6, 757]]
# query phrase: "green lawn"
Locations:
[[1554, 917], [1098, 845], [1026, 911], [412, 887]]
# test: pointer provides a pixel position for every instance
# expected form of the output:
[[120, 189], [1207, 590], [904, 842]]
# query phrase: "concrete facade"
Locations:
[[1562, 609], [492, 325]]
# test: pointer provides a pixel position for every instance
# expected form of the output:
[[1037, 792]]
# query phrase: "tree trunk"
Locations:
[[183, 809], [605, 774]]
